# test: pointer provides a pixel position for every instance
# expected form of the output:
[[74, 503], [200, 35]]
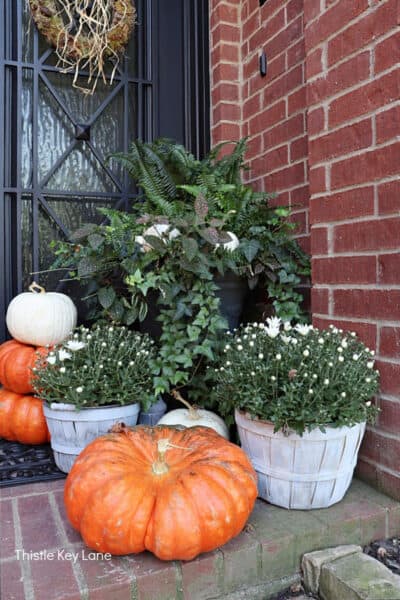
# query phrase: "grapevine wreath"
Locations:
[[85, 33]]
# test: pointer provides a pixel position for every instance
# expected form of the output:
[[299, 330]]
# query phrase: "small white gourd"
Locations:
[[41, 318], [192, 417]]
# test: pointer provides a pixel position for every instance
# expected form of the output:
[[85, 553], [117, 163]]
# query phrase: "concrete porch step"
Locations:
[[265, 557]]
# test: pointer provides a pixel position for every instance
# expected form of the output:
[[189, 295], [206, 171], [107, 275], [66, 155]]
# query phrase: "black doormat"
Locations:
[[20, 464]]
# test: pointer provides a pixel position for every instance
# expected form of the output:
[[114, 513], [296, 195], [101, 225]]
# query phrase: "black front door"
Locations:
[[54, 172]]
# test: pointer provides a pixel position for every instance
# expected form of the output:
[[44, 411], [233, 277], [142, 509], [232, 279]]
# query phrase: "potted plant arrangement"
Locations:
[[197, 229], [91, 381], [301, 398]]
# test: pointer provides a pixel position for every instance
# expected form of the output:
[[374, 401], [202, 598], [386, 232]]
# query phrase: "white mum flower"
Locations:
[[321, 341], [240, 348], [341, 359], [227, 347], [286, 339], [278, 356], [368, 379], [261, 356], [254, 336], [287, 326], [306, 353], [370, 364], [315, 376], [330, 364], [356, 356], [326, 381], [368, 403], [251, 344], [310, 391], [51, 360], [274, 322], [344, 344], [74, 345], [372, 352], [343, 394], [273, 378], [228, 363], [340, 349], [64, 355], [252, 373], [79, 390], [62, 369], [294, 341], [303, 329]]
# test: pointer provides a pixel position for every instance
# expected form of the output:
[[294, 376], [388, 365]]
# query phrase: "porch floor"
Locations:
[[32, 519]]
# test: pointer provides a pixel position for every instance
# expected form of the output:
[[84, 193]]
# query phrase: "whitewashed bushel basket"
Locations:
[[302, 472], [71, 430]]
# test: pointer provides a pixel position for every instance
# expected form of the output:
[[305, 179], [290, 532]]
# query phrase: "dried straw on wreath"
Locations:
[[85, 33]]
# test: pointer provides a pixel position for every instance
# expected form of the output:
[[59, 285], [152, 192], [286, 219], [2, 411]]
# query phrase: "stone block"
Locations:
[[313, 562]]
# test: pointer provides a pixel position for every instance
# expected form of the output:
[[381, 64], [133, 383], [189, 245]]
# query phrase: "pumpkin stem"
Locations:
[[36, 288], [193, 413], [160, 467]]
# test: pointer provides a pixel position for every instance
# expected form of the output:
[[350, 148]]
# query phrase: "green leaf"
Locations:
[[201, 206], [156, 243], [86, 266], [142, 311], [193, 332], [191, 248], [249, 248], [82, 232], [116, 311], [95, 240], [106, 296], [131, 316], [210, 234]]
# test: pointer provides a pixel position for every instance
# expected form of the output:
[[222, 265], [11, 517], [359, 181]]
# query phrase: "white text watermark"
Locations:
[[62, 554]]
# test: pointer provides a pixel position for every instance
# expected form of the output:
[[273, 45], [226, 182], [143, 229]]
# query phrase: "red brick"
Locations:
[[250, 25], [254, 146], [339, 78], [225, 53], [286, 178], [226, 112], [296, 53], [371, 446], [367, 332], [201, 576], [315, 120], [7, 546], [252, 106], [106, 579], [251, 67], [228, 92], [154, 578], [226, 72], [319, 301], [349, 269], [332, 20], [389, 268], [363, 32], [390, 342], [275, 23], [282, 85], [348, 139], [317, 177], [387, 53], [389, 416], [284, 132], [367, 235], [297, 101], [311, 10], [367, 471], [11, 581], [366, 98], [389, 197], [369, 166], [319, 240], [227, 33], [225, 132], [299, 149], [269, 117], [361, 303], [300, 197], [389, 377], [284, 39], [31, 489], [39, 530], [224, 13], [388, 124], [240, 561], [63, 586], [343, 205], [300, 220], [389, 483], [294, 8], [314, 63], [271, 161]]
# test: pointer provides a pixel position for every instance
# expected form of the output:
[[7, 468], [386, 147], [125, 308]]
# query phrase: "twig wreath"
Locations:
[[85, 34]]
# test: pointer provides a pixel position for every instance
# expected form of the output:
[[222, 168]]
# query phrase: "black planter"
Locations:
[[232, 292]]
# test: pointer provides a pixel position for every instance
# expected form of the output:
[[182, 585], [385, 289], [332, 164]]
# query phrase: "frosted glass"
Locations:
[[26, 129]]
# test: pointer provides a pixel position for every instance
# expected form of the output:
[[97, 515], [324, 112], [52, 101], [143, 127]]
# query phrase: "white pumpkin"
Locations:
[[41, 318], [161, 231], [192, 417]]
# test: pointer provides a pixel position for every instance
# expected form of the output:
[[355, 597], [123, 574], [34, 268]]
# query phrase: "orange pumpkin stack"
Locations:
[[21, 414]]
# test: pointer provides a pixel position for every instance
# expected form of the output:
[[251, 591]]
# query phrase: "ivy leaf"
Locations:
[[116, 311], [95, 240], [250, 248], [193, 332], [131, 316], [201, 206], [211, 235], [155, 242], [190, 247], [106, 296]]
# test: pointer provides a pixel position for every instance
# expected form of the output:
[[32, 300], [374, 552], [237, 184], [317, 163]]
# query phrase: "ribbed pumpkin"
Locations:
[[176, 493], [16, 361], [22, 419]]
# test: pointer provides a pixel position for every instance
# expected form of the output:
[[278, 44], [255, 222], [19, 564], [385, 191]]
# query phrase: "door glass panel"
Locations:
[[26, 128], [81, 171], [73, 213], [26, 240]]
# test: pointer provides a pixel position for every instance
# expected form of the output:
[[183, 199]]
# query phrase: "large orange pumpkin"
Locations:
[[16, 362], [174, 492], [22, 419]]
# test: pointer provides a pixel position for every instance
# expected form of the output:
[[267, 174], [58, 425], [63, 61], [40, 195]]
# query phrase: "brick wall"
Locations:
[[324, 132], [353, 90]]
